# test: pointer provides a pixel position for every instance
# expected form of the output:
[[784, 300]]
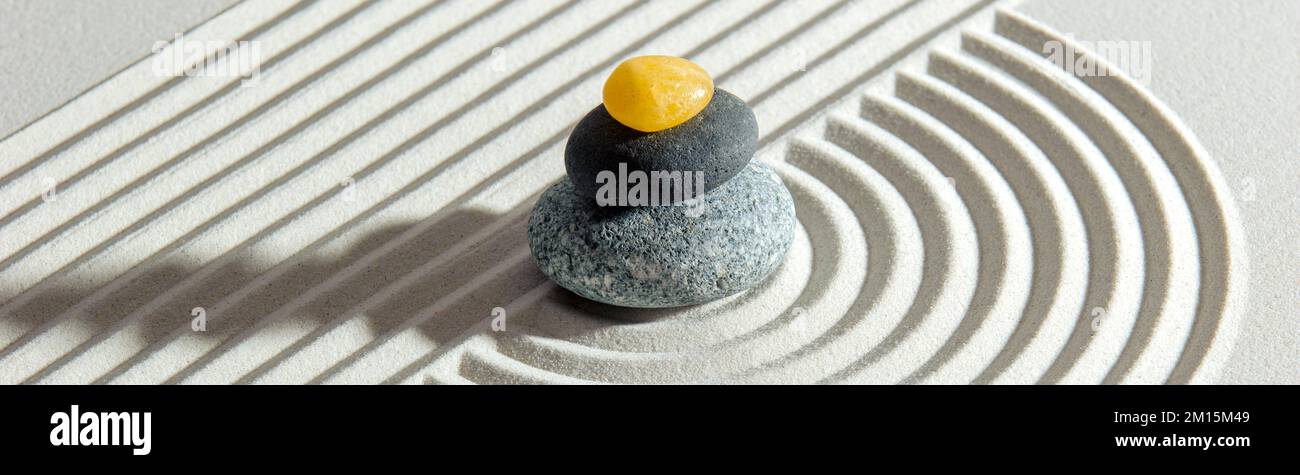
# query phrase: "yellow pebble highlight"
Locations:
[[653, 93]]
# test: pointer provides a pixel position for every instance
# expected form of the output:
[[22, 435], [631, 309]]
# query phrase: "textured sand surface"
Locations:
[[969, 212]]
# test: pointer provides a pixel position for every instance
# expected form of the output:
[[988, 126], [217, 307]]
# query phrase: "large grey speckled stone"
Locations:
[[718, 142], [665, 256]]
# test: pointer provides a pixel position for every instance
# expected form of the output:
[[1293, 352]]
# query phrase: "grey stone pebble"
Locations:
[[719, 142], [720, 244]]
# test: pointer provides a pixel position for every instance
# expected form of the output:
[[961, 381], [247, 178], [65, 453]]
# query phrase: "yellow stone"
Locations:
[[653, 93]]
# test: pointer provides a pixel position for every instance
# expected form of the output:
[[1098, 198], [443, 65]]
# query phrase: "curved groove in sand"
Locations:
[[486, 367], [1001, 231], [950, 258], [1111, 225], [1169, 251], [1060, 265], [896, 259]]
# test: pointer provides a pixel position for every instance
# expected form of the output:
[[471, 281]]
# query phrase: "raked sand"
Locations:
[[969, 211]]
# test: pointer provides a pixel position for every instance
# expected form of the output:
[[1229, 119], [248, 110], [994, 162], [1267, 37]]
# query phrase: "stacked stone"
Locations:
[[623, 229]]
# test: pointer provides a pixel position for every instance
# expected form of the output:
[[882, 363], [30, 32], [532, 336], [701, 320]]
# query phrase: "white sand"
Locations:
[[978, 215], [55, 50]]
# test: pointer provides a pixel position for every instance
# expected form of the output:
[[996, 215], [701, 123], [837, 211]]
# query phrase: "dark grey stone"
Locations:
[[722, 243], [718, 142]]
